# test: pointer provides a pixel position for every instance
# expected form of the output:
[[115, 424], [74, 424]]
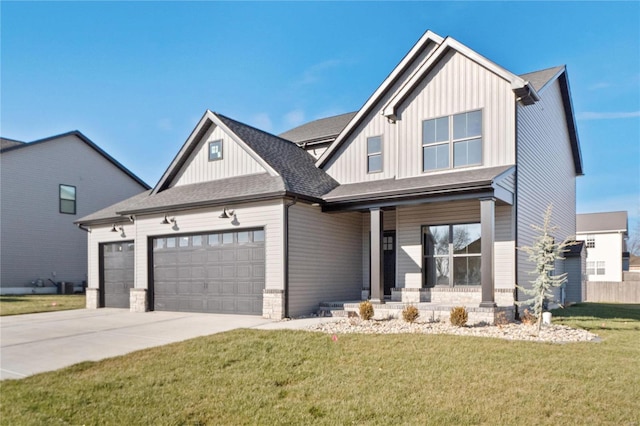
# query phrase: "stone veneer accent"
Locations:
[[92, 298], [138, 301], [450, 295], [273, 304]]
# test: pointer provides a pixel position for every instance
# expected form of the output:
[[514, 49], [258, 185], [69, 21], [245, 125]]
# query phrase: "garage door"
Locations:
[[117, 274], [209, 272]]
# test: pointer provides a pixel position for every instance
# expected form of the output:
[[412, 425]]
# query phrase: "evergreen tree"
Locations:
[[543, 254]]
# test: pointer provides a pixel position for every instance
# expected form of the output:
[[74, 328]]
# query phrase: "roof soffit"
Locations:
[[409, 58], [209, 118]]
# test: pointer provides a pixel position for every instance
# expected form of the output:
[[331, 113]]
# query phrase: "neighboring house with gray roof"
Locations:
[[605, 236], [46, 186], [410, 199]]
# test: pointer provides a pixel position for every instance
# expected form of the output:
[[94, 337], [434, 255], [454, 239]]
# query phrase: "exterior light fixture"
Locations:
[[168, 220], [227, 213], [113, 228]]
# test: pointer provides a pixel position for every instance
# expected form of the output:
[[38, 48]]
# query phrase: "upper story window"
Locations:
[[591, 241], [215, 150], [374, 154], [67, 199], [457, 136]]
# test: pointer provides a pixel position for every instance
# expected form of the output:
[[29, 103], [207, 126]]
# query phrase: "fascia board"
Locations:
[[205, 119], [380, 91]]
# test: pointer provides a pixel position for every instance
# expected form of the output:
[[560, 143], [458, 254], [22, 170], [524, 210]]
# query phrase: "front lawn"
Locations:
[[31, 303], [297, 377]]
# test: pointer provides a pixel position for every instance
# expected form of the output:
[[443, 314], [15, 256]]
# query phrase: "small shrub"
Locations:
[[528, 318], [410, 313], [501, 319], [366, 310], [459, 316]]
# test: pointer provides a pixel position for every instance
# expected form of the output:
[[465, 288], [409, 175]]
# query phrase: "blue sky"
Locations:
[[136, 76]]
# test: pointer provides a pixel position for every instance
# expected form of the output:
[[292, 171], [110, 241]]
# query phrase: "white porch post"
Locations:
[[487, 232], [377, 265]]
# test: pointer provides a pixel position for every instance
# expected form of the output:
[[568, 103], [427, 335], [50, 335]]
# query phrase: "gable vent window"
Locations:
[[374, 154], [67, 199], [457, 136], [215, 150]]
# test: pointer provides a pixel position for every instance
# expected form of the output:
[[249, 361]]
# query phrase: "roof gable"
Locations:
[[427, 38], [83, 138], [279, 157]]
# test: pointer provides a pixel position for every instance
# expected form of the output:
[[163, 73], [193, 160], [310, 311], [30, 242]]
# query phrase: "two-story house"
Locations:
[[605, 238], [47, 185], [421, 196]]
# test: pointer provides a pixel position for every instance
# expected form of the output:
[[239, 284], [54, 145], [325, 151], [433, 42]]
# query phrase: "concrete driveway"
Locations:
[[35, 343]]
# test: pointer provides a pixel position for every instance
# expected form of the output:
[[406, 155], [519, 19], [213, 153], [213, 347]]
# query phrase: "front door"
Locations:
[[389, 248]]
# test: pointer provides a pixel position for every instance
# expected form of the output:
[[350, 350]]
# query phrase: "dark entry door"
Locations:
[[117, 274], [389, 248]]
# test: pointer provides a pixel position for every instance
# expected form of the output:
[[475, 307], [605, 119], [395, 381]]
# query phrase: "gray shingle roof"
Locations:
[[458, 180], [110, 213], [296, 167], [8, 143], [601, 222], [539, 78], [324, 129]]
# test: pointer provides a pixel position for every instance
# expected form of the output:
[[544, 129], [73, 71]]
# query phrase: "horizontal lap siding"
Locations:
[[504, 253], [545, 173], [457, 84], [349, 163], [235, 161], [408, 235], [251, 215], [36, 240], [325, 251]]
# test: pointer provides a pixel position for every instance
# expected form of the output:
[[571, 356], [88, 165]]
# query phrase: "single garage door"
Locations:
[[209, 272], [117, 274]]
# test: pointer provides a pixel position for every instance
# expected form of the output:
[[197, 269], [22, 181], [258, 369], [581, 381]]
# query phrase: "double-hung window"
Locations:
[[374, 154], [457, 137], [67, 199], [591, 241], [451, 254]]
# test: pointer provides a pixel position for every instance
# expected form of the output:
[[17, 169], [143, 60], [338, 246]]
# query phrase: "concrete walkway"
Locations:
[[35, 343]]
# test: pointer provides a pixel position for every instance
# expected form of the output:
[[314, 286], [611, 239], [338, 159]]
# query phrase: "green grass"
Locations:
[[297, 377], [29, 304]]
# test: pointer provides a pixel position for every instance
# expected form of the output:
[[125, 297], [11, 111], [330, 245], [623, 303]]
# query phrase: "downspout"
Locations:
[[286, 256], [515, 216], [83, 228]]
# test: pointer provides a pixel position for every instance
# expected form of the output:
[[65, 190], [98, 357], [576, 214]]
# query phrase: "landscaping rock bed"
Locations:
[[515, 331]]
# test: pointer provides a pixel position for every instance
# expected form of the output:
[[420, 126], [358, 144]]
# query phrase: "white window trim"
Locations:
[[380, 153]]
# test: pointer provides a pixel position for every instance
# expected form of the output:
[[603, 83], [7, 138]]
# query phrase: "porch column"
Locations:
[[377, 264], [487, 234]]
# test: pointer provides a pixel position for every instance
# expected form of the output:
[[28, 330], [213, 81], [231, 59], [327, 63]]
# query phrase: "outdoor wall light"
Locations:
[[113, 228], [227, 213], [168, 220]]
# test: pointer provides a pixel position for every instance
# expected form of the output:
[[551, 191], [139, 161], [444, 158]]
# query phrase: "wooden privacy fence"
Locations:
[[619, 292]]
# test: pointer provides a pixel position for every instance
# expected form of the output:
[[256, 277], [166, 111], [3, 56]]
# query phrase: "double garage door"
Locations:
[[209, 272]]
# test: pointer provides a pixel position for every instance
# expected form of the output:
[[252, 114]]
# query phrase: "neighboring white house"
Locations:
[[46, 185], [421, 196], [605, 236]]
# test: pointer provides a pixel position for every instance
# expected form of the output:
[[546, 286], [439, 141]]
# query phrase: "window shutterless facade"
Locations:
[[591, 241], [215, 150], [67, 195], [457, 137], [374, 154], [451, 255]]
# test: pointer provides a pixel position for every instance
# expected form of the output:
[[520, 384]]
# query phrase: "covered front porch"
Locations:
[[435, 247]]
